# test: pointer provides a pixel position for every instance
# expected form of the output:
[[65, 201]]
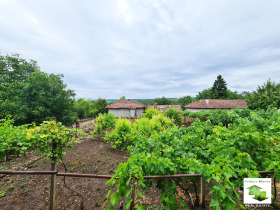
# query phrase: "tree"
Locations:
[[205, 94], [219, 88], [185, 101], [267, 95], [85, 108], [46, 97], [100, 105], [14, 72], [163, 101], [30, 95]]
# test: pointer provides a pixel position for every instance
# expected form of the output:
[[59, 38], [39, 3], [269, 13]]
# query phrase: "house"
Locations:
[[209, 104], [163, 108], [126, 108]]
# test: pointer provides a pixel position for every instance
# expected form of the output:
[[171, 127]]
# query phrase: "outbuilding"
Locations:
[[126, 108]]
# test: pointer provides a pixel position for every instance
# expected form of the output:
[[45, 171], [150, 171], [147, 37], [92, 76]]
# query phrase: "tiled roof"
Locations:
[[165, 107], [217, 104], [125, 104]]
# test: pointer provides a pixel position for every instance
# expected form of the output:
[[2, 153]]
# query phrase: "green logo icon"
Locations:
[[258, 192]]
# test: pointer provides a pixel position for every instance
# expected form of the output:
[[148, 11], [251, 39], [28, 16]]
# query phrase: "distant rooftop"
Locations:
[[125, 104], [217, 104]]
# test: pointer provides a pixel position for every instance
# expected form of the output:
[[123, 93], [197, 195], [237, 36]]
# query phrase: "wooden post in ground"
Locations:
[[203, 192], [53, 181], [133, 194]]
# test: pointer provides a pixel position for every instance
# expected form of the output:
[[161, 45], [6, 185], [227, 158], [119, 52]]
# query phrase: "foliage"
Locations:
[[174, 115], [218, 116], [219, 91], [46, 98], [14, 139], [53, 138], [219, 88], [103, 122], [183, 101], [85, 108], [30, 95], [100, 105], [20, 139], [223, 154], [163, 101], [120, 136], [149, 113], [265, 96], [14, 72]]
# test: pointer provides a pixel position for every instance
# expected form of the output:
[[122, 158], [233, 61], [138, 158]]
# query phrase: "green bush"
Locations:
[[149, 113], [175, 115], [120, 136], [103, 122], [146, 127]]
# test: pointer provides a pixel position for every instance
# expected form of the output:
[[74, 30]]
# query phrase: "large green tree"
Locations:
[[267, 95], [30, 95]]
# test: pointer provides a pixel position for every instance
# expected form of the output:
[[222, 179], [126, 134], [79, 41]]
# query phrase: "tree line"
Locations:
[[31, 95]]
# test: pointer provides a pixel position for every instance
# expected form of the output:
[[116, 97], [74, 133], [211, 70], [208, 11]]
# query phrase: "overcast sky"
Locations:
[[146, 48]]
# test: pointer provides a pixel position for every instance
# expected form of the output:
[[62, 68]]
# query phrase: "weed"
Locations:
[[26, 191], [2, 193], [11, 187], [98, 160], [96, 169], [104, 161], [92, 155], [109, 153], [102, 152], [98, 188], [111, 171], [70, 170], [78, 163], [22, 185], [35, 164], [100, 173], [97, 204], [83, 171]]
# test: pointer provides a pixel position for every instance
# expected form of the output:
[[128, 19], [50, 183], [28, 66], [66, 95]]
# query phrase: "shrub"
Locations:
[[146, 127], [149, 113], [103, 122], [174, 114], [120, 136]]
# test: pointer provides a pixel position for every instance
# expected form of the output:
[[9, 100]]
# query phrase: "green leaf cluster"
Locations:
[[103, 123]]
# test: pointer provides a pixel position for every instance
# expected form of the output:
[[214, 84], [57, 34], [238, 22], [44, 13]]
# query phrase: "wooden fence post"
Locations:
[[133, 194], [53, 181], [203, 191]]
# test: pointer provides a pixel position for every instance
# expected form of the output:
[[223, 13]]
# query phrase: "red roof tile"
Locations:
[[217, 104], [125, 104]]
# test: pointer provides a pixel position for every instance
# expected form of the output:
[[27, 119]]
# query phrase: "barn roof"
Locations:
[[217, 104], [125, 104]]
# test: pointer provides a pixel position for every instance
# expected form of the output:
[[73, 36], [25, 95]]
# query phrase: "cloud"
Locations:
[[146, 49]]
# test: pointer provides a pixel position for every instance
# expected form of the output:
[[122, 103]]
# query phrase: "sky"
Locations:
[[146, 48]]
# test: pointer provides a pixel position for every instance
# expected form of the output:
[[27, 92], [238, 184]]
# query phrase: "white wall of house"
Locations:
[[139, 112], [126, 112]]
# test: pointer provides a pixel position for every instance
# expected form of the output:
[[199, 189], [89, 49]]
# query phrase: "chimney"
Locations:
[[146, 104], [155, 106], [207, 101]]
